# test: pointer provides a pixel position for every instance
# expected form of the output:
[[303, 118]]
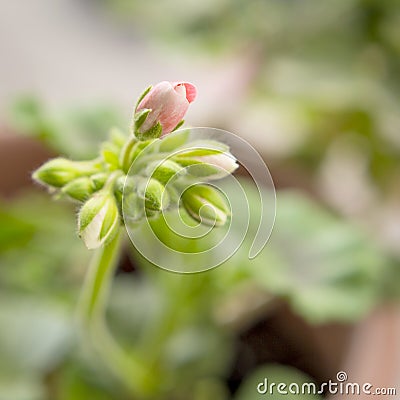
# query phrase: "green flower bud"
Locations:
[[133, 207], [110, 153], [99, 180], [60, 171], [155, 195], [205, 204], [79, 189], [164, 171], [98, 220], [211, 166]]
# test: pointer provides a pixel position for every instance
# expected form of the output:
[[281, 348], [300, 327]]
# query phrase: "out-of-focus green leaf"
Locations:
[[76, 384], [175, 332], [14, 231], [21, 387], [39, 249], [34, 335], [76, 133], [325, 267]]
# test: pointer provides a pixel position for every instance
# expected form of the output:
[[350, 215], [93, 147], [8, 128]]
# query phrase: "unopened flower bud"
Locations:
[[99, 180], [98, 220], [110, 153], [155, 195], [80, 188], [205, 204], [60, 171], [162, 108], [165, 170], [210, 166]]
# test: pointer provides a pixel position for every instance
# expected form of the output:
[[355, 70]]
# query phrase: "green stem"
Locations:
[[91, 311], [97, 283]]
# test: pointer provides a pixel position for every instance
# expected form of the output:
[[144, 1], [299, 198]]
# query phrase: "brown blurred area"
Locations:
[[19, 156]]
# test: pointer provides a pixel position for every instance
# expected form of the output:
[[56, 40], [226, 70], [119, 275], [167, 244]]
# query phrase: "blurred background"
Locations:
[[314, 87]]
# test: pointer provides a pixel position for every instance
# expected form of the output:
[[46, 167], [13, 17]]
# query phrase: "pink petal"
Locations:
[[191, 91]]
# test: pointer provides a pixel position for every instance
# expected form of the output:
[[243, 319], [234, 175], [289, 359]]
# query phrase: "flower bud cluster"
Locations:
[[99, 184]]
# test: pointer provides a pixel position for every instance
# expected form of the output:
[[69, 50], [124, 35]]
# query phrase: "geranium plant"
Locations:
[[164, 179]]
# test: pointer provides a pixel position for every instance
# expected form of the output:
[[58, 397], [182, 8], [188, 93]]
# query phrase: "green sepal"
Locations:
[[139, 118], [178, 125], [110, 154], [141, 97], [99, 180], [124, 157], [197, 152], [60, 171], [98, 220], [131, 153], [133, 209], [203, 147], [153, 193], [198, 168], [165, 170], [153, 133], [79, 189], [119, 190], [205, 204]]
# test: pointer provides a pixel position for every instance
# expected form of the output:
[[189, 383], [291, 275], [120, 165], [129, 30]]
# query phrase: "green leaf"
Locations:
[[22, 387], [14, 231], [326, 267], [74, 382], [75, 132], [34, 335]]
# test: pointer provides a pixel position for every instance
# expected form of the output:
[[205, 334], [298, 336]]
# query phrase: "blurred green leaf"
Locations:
[[76, 133], [21, 388], [325, 267], [76, 384], [14, 231], [39, 251], [34, 335]]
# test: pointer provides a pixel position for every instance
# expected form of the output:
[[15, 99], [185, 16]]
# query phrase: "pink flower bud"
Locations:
[[168, 102]]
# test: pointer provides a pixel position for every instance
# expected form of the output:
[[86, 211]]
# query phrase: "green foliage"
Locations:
[[75, 133], [37, 255], [326, 269]]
